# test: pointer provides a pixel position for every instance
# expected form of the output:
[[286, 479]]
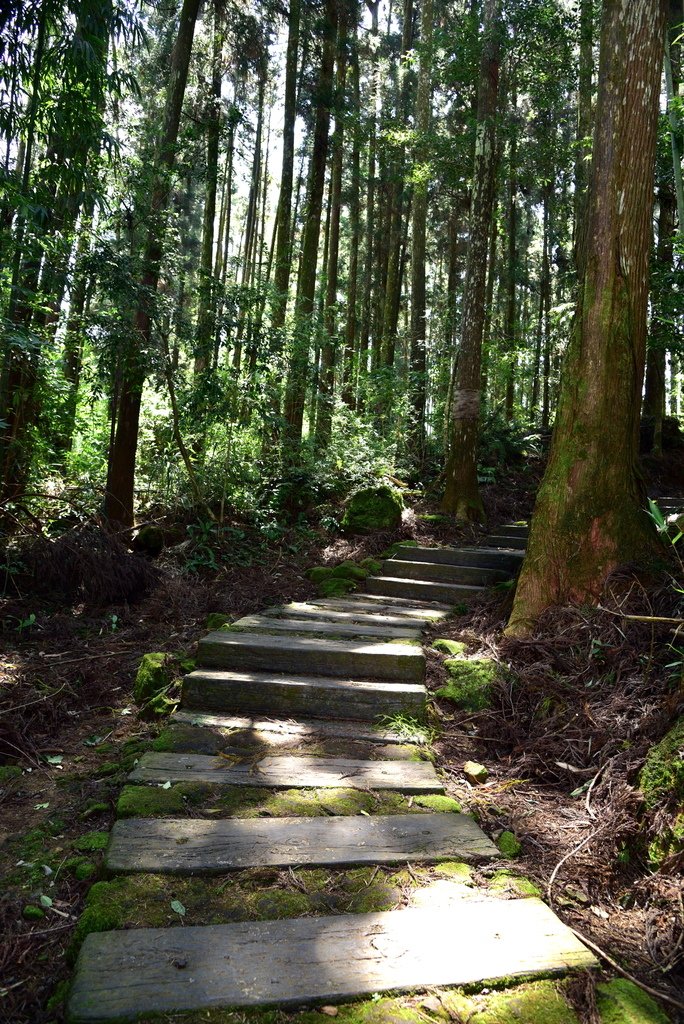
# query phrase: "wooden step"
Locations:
[[499, 541], [268, 693], [355, 729], [356, 616], [187, 846], [353, 659], [287, 772], [306, 626], [395, 586], [420, 611], [513, 530], [485, 558], [439, 572], [313, 960]]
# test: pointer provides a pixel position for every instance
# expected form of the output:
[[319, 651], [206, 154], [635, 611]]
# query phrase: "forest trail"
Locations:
[[269, 679]]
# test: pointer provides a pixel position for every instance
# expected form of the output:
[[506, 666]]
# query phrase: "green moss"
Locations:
[[509, 845], [373, 508], [507, 881], [540, 1002], [371, 565], [437, 802], [662, 777], [215, 620], [9, 772], [621, 1002], [453, 647], [336, 587], [470, 682], [157, 802], [92, 841], [80, 867], [58, 997], [349, 571], [456, 871], [432, 517], [32, 913], [107, 768], [93, 808], [280, 903], [395, 548], [152, 682], [319, 573]]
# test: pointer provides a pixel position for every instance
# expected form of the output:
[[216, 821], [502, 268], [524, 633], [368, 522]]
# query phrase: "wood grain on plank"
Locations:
[[192, 845], [289, 771], [308, 960], [362, 616], [296, 727], [292, 624]]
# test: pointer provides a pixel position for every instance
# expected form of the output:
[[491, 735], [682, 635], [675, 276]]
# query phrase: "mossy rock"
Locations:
[[149, 540], [9, 772], [395, 548], [154, 678], [349, 570], [662, 777], [507, 881], [622, 1002], [216, 619], [32, 913], [319, 573], [372, 566], [509, 844], [373, 508], [453, 647], [438, 802], [336, 587], [470, 682]]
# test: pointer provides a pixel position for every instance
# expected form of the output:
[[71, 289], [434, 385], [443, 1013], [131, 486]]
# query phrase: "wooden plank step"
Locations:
[[485, 558], [513, 530], [269, 693], [353, 659], [395, 586], [187, 846], [289, 771], [420, 611], [303, 728], [361, 616], [310, 960], [268, 624], [440, 572], [499, 541]]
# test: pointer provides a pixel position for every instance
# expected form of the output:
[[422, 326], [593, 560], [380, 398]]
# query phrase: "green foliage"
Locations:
[[153, 681]]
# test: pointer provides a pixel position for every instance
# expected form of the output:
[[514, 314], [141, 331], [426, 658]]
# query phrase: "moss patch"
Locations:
[[508, 882], [662, 777], [540, 1002], [91, 842], [215, 620], [153, 680], [350, 571], [336, 587], [509, 845], [621, 1002], [373, 508], [9, 772], [453, 647], [470, 682]]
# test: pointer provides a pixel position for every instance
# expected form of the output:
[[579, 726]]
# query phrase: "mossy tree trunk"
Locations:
[[589, 516], [462, 495]]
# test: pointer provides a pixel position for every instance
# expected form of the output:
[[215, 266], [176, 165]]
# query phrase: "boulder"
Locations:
[[373, 508]]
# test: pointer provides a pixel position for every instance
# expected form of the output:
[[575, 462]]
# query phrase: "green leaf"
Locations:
[[40, 807], [54, 758], [46, 901], [178, 908]]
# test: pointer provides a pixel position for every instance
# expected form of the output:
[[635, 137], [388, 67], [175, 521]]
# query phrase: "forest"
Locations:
[[284, 288]]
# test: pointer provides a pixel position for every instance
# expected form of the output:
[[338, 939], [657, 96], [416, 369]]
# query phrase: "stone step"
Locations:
[[395, 586], [484, 558], [513, 530], [298, 728], [288, 772], [265, 693], [188, 846], [499, 541], [439, 572], [359, 616], [352, 659], [422, 611], [313, 627], [123, 975]]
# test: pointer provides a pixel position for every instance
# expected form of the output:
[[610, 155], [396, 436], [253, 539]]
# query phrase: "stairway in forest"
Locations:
[[310, 697]]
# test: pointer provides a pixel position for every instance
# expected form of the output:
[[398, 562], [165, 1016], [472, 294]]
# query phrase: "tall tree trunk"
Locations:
[[544, 288], [462, 495], [511, 317], [119, 503], [661, 332], [371, 194], [589, 514], [584, 120], [306, 284], [352, 323], [421, 178]]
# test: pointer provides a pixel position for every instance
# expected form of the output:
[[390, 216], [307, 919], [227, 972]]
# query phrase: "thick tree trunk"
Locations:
[[349, 367], [462, 496], [589, 516], [584, 121], [119, 504]]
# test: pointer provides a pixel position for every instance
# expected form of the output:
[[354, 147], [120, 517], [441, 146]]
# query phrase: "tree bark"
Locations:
[[661, 332], [589, 516], [462, 495]]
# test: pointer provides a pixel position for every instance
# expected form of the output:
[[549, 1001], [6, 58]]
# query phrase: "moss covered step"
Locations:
[[351, 659], [484, 558], [287, 772], [395, 586], [265, 693], [321, 627], [298, 729], [349, 616], [439, 572], [500, 541], [124, 974], [421, 611], [191, 846]]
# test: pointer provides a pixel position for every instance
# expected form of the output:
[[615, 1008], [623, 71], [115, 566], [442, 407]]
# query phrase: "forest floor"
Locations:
[[563, 751]]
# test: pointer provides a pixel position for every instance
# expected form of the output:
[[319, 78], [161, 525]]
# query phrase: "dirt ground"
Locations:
[[596, 694]]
